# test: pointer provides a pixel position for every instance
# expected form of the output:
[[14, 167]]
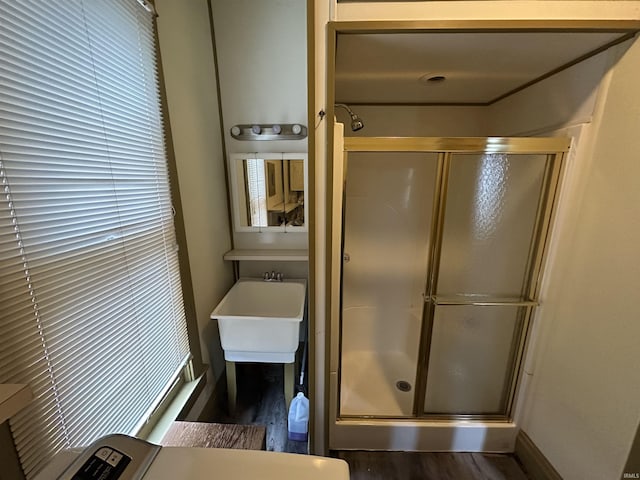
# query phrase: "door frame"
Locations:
[[343, 430], [325, 280]]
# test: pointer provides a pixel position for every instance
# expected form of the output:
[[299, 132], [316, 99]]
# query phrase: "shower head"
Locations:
[[356, 122]]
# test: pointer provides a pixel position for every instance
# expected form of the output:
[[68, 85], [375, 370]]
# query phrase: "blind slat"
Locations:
[[93, 317]]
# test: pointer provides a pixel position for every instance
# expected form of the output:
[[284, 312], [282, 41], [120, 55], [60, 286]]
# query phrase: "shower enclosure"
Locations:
[[442, 245]]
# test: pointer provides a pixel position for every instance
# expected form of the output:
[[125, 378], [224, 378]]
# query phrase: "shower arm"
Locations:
[[356, 121], [342, 105]]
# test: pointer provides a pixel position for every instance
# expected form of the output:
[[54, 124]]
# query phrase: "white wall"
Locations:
[[582, 402], [565, 99], [189, 71], [391, 121], [262, 60]]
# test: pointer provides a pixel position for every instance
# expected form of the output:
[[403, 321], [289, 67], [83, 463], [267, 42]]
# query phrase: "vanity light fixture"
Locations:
[[269, 131]]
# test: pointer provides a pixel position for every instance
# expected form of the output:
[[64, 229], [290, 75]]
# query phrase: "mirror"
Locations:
[[269, 191]]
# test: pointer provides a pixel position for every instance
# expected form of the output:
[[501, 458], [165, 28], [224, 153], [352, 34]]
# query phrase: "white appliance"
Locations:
[[120, 457]]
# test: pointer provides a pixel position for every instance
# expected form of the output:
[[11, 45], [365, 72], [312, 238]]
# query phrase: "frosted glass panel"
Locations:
[[470, 359], [388, 203], [492, 201]]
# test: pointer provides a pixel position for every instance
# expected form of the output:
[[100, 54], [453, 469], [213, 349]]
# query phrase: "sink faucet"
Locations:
[[273, 276]]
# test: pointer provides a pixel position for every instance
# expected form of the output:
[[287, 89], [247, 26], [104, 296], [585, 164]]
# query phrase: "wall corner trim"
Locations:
[[535, 463]]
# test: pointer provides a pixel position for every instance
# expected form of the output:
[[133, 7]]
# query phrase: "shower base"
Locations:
[[369, 388], [369, 384]]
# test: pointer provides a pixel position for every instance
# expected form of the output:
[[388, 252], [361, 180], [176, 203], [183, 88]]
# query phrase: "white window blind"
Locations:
[[92, 315]]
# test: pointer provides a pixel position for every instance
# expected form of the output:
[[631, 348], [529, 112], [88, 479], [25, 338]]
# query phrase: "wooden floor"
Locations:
[[261, 402], [431, 466], [215, 435]]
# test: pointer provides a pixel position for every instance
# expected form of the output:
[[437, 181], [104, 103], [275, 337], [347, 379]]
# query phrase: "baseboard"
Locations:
[[533, 460], [422, 436]]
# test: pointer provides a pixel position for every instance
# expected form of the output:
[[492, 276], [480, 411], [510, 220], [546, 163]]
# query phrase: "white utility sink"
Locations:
[[259, 321]]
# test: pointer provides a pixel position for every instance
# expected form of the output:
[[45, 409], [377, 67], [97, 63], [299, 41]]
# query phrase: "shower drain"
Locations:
[[403, 386]]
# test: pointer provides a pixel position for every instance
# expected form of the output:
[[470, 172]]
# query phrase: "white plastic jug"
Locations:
[[298, 418]]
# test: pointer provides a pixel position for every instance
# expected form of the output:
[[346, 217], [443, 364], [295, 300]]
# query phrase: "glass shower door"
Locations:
[[387, 217], [441, 261], [479, 300]]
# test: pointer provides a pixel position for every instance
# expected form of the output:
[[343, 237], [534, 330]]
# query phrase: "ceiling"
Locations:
[[478, 68]]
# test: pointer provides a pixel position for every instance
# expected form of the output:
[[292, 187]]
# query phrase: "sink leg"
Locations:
[[231, 386], [289, 373]]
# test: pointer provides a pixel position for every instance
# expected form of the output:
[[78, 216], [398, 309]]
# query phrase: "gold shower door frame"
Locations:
[[555, 149]]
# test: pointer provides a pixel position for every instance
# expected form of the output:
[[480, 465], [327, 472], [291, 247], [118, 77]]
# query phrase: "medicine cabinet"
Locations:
[[269, 191]]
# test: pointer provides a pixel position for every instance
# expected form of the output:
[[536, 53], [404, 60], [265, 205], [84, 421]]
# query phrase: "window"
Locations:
[[92, 314]]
